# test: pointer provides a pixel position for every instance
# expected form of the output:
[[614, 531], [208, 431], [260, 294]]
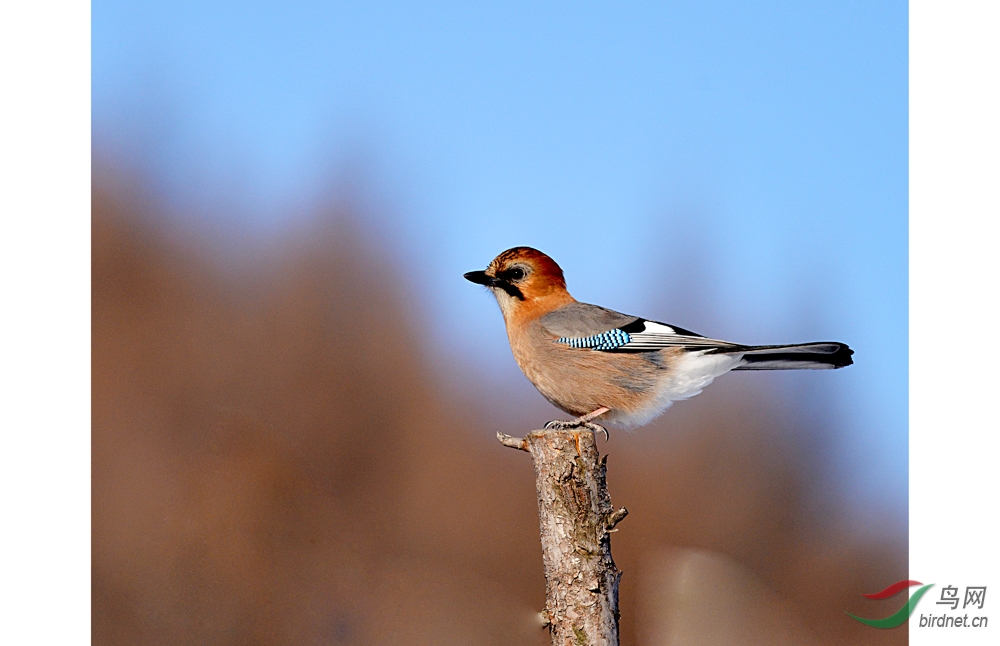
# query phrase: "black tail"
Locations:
[[802, 356]]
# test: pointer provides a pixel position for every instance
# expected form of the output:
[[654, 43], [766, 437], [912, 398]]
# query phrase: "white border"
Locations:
[[45, 200], [45, 322], [954, 208]]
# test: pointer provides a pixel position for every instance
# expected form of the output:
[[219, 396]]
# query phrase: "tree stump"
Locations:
[[576, 519]]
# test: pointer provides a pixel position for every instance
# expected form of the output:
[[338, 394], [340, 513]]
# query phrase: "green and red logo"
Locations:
[[899, 617]]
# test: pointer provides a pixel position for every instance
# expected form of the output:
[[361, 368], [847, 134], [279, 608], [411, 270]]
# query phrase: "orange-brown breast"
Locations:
[[580, 380]]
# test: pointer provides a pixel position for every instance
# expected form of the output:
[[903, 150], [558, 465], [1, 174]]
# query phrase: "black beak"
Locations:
[[480, 278]]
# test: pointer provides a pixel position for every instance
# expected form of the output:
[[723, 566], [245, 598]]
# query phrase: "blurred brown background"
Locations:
[[277, 460]]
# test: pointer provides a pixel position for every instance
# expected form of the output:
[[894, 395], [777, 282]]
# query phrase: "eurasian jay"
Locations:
[[593, 362]]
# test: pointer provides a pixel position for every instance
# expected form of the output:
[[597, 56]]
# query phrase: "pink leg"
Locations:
[[591, 415]]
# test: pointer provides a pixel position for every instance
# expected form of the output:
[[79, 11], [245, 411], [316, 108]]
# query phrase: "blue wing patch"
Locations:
[[609, 340]]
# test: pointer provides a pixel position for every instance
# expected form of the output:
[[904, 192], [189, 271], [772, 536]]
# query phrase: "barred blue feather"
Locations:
[[609, 340]]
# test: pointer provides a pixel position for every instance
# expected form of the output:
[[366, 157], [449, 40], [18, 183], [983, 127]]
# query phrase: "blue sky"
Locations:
[[737, 169]]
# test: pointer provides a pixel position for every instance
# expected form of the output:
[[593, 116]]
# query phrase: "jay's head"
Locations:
[[523, 280]]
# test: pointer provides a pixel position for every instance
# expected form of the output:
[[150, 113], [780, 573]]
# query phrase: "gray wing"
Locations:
[[580, 325], [583, 319]]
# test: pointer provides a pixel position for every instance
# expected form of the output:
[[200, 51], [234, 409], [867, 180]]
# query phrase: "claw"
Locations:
[[597, 428]]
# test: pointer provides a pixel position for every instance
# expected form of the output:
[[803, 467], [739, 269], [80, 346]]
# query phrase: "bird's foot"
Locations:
[[582, 421], [561, 425]]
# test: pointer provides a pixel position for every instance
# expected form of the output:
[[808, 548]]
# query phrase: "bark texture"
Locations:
[[576, 518]]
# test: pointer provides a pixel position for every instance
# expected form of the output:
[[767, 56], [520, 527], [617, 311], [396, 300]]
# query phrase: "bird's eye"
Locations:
[[515, 274]]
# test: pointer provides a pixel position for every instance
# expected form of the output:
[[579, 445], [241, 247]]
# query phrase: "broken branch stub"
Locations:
[[576, 520]]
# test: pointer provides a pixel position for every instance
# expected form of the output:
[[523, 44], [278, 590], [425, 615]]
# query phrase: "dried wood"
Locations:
[[576, 520]]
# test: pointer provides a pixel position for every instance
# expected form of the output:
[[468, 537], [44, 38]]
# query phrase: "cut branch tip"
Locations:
[[616, 517], [512, 442]]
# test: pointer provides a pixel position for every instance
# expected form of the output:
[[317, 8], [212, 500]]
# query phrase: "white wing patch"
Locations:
[[652, 327], [654, 336]]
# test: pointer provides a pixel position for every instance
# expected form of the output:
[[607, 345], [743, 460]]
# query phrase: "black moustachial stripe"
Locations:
[[510, 289], [505, 281]]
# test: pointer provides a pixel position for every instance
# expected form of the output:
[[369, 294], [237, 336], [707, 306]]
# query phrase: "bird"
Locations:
[[598, 364]]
